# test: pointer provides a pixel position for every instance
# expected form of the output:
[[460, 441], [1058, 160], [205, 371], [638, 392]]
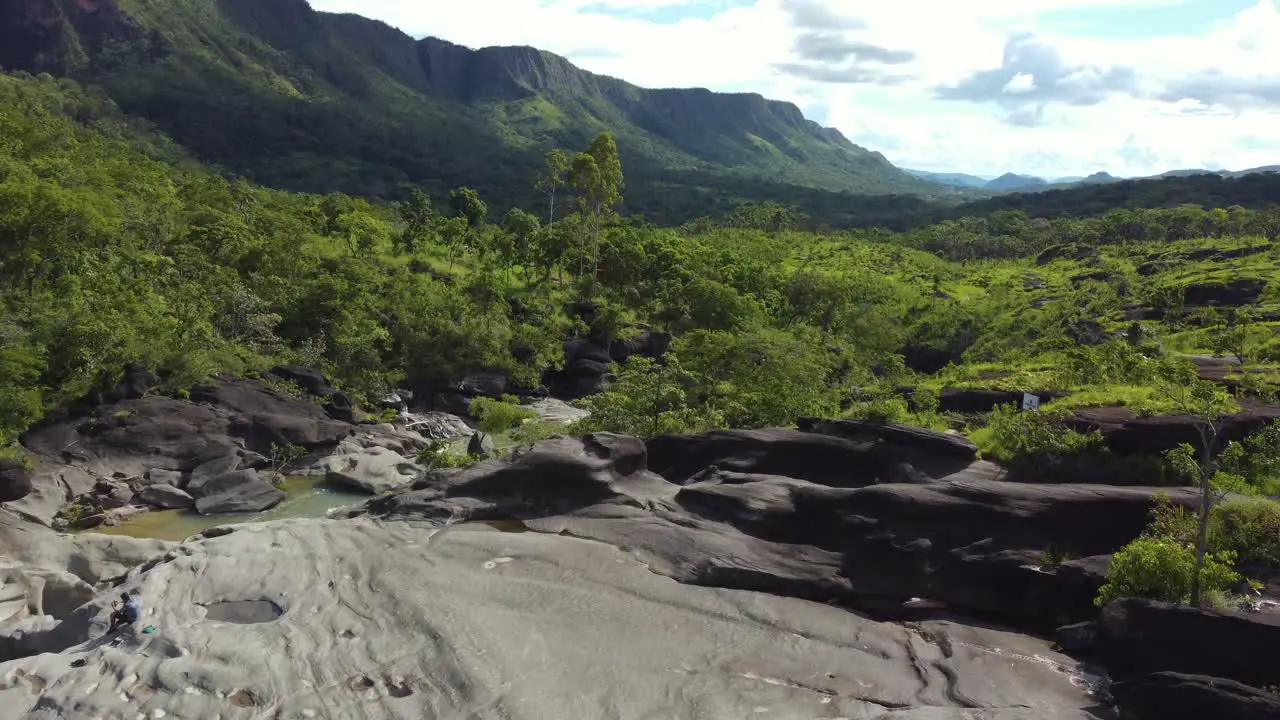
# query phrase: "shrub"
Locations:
[[437, 455], [1249, 528], [282, 456], [496, 416], [1034, 441], [531, 433], [885, 410], [1162, 569]]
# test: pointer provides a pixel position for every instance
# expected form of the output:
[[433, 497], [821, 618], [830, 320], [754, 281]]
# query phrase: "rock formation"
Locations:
[[384, 619], [435, 599]]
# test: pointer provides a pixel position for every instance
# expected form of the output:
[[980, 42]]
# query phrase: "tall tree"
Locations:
[[1207, 406], [597, 177], [521, 227], [466, 203], [554, 177], [419, 217]]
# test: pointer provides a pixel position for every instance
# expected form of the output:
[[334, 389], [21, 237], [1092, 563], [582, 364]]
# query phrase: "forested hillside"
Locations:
[[343, 103]]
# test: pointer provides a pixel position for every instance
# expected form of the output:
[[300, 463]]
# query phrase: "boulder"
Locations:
[[166, 497], [554, 410], [820, 459], [261, 431], [311, 381], [553, 477], [490, 384], [340, 407], [1079, 253], [1139, 637], [241, 491], [451, 403], [213, 467], [586, 349], [480, 445], [436, 425], [157, 476], [1128, 434], [375, 470], [1179, 696], [912, 439], [15, 481], [1081, 637], [978, 545], [109, 495], [152, 436], [1240, 291], [645, 342], [134, 383], [580, 378]]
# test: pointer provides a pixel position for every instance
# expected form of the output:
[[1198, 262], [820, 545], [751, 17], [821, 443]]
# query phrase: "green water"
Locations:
[[305, 497]]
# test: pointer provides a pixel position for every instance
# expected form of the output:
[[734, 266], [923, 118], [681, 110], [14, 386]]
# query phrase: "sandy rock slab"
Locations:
[[378, 619]]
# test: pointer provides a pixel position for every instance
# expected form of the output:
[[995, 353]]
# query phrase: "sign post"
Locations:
[[1030, 402]]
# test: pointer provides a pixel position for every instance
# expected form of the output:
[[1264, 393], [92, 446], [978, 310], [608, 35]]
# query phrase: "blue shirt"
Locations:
[[132, 611]]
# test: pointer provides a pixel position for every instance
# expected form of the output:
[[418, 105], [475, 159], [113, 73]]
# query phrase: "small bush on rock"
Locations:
[[1033, 441], [1249, 528], [495, 416], [1162, 569], [437, 456]]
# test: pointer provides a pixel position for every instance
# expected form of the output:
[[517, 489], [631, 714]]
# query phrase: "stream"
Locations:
[[305, 497]]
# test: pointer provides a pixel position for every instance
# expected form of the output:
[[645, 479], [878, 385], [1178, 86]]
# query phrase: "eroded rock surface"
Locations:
[[721, 513], [397, 620]]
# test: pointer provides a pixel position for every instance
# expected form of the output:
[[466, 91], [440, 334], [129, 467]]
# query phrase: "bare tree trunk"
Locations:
[[1207, 437]]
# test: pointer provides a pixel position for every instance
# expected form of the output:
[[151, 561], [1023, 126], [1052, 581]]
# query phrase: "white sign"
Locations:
[[1030, 402]]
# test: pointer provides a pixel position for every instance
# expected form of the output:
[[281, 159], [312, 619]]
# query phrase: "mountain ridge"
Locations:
[[342, 102]]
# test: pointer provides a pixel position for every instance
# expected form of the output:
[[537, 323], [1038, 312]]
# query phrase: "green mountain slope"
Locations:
[[313, 101]]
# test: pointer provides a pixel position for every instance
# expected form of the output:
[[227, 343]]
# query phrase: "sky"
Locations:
[[1045, 87]]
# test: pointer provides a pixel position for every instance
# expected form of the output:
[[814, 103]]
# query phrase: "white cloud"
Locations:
[[1166, 118]]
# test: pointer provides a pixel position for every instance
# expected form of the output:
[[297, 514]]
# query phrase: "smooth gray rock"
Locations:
[[375, 470], [395, 620], [235, 492], [159, 476], [166, 497]]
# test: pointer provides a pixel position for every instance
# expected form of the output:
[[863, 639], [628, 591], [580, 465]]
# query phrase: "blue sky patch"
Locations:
[[1189, 17], [670, 14]]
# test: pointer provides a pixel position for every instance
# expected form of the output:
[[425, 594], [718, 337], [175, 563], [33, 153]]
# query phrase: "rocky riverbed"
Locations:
[[834, 571]]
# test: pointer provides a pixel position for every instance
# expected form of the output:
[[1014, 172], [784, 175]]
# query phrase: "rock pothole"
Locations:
[[243, 612]]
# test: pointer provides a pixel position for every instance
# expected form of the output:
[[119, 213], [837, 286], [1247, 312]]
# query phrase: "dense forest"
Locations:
[[118, 248]]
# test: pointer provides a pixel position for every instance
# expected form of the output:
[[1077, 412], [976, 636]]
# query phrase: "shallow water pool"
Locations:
[[305, 497]]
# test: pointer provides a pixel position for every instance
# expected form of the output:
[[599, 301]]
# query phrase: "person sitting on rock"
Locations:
[[126, 613]]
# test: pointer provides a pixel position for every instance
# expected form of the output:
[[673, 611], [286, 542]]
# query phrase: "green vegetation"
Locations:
[[1242, 533], [1162, 569], [437, 455], [498, 416]]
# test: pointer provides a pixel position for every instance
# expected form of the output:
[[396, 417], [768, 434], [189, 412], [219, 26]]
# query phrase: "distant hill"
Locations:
[[959, 180], [1011, 182], [1253, 190], [1223, 173], [313, 101]]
